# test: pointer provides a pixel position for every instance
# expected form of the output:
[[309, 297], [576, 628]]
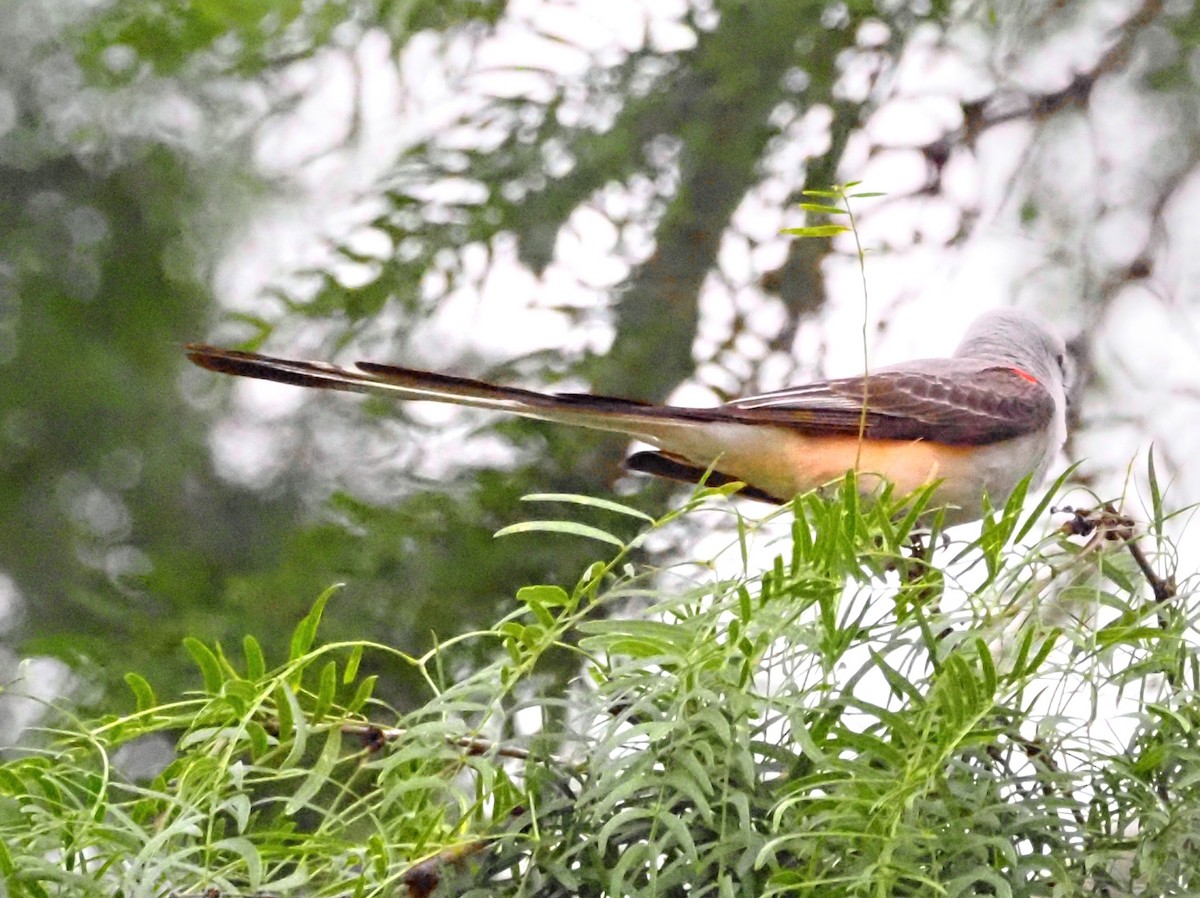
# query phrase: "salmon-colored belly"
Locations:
[[784, 463]]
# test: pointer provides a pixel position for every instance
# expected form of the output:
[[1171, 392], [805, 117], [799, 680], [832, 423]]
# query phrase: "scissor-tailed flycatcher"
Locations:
[[978, 421]]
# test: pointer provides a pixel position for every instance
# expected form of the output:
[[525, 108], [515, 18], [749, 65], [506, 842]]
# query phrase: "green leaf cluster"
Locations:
[[853, 719]]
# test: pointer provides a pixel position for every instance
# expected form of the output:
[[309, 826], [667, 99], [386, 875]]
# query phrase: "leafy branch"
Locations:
[[838, 722]]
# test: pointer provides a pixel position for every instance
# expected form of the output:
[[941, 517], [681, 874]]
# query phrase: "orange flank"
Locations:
[[784, 462]]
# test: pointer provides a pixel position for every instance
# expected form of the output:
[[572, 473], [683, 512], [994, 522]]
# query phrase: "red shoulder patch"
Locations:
[[1025, 375]]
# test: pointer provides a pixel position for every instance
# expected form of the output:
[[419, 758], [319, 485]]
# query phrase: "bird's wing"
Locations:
[[960, 404]]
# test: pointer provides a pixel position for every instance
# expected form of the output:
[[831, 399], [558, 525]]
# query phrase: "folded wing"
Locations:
[[969, 406]]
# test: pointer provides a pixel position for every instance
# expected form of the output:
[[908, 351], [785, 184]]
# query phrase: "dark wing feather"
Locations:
[[968, 408]]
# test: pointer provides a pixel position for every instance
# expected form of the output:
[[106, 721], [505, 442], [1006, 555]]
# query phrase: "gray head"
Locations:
[[1020, 338]]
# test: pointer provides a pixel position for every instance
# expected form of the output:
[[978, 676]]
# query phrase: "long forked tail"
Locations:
[[650, 423], [692, 440]]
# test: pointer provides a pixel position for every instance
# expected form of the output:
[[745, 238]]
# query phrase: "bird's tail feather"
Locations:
[[646, 422]]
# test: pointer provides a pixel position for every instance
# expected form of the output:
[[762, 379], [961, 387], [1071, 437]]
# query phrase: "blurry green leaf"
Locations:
[[306, 631], [286, 709], [589, 502], [142, 691], [1051, 492], [256, 663], [639, 639], [326, 691], [210, 668], [827, 230], [362, 695], [569, 528], [259, 741], [352, 663], [822, 209], [320, 774], [546, 596], [1156, 504]]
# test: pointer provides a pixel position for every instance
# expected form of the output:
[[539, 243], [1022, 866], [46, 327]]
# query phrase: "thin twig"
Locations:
[[375, 737], [1106, 524], [423, 877]]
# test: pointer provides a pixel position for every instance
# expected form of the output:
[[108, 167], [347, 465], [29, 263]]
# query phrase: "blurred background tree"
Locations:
[[543, 192]]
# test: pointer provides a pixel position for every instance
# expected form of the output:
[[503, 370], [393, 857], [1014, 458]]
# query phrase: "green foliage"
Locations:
[[246, 36], [839, 193], [852, 720]]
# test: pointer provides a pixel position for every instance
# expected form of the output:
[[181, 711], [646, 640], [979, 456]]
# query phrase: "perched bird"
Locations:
[[976, 422]]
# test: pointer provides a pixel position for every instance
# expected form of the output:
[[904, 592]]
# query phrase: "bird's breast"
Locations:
[[784, 462]]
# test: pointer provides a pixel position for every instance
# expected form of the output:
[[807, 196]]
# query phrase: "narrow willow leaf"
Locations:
[[988, 667], [570, 528], [698, 768], [745, 608], [1156, 503], [804, 739], [260, 742], [238, 807], [681, 782], [256, 663], [635, 638], [1112, 569], [292, 725], [319, 775], [826, 230], [244, 848], [306, 631], [1126, 634], [210, 668], [590, 501], [823, 209], [547, 596], [896, 681], [240, 694], [681, 833], [633, 859], [142, 692], [1185, 725], [378, 853], [1051, 492], [1014, 505], [542, 613], [363, 694], [625, 818], [979, 881], [352, 663], [326, 691], [1022, 656], [1043, 653], [743, 542]]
